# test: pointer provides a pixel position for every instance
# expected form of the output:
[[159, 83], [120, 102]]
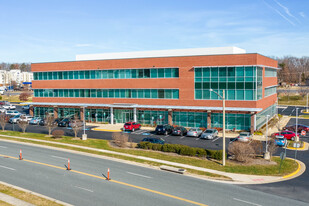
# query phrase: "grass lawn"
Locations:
[[13, 98], [292, 100], [25, 196], [288, 166]]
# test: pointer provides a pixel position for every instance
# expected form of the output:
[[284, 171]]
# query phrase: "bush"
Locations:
[[24, 96], [201, 152], [120, 139], [242, 152], [58, 133]]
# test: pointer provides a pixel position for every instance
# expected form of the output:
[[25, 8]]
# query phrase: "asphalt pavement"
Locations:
[[43, 171]]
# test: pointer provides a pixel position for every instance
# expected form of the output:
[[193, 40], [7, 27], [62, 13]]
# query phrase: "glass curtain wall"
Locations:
[[68, 112], [152, 117], [123, 115], [240, 82], [42, 111], [97, 115], [261, 117], [190, 119], [232, 121]]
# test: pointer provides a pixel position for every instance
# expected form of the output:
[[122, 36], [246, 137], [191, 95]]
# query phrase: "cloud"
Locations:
[[286, 9], [83, 45], [302, 14], [278, 12]]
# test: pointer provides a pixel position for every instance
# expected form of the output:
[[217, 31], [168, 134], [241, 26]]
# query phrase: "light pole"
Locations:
[[296, 126], [307, 110], [223, 127], [84, 136], [267, 116]]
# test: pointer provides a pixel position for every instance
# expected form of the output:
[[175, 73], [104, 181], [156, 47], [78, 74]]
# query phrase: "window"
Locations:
[[160, 73]]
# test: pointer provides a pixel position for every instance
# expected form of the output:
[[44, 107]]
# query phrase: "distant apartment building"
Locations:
[[6, 77]]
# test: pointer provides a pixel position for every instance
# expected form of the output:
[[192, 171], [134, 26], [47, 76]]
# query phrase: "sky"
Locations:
[[57, 30]]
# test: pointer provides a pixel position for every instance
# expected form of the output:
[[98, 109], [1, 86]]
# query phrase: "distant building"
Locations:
[[6, 77]]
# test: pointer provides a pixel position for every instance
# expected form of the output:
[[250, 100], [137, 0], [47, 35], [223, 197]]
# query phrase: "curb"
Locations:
[[300, 149], [293, 173], [36, 194], [106, 130]]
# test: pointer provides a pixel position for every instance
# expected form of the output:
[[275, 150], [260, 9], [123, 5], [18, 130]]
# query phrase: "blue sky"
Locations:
[[57, 30]]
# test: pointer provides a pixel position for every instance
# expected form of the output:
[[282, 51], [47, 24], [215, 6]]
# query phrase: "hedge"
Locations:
[[182, 150]]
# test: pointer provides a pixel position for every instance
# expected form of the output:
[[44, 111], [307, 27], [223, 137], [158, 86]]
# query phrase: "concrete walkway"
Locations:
[[236, 178], [13, 201]]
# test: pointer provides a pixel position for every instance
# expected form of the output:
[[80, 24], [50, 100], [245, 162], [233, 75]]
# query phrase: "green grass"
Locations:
[[292, 100], [288, 166]]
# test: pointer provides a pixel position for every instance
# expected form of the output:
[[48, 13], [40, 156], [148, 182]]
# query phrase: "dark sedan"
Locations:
[[64, 123], [153, 140], [179, 131], [164, 129], [300, 127]]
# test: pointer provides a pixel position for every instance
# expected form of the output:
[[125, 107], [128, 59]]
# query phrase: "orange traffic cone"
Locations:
[[108, 174], [20, 155]]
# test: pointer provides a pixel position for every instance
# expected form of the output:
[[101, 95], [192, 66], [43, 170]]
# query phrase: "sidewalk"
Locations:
[[236, 178], [113, 127]]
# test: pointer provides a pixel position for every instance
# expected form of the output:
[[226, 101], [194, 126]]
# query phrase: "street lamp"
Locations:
[[266, 152], [223, 106], [296, 126], [84, 136], [307, 110]]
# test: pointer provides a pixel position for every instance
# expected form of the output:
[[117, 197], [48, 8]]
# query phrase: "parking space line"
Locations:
[[251, 203], [59, 157], [216, 139], [3, 147], [182, 137], [292, 112], [7, 167], [197, 139], [138, 175], [83, 189]]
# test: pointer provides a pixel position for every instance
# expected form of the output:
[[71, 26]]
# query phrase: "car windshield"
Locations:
[[243, 134], [209, 131], [160, 126], [193, 130], [127, 124], [177, 128]]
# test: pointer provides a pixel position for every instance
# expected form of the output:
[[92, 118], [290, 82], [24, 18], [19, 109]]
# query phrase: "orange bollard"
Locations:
[[108, 174], [20, 155], [68, 168]]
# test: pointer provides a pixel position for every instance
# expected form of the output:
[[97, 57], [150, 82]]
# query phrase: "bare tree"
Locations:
[[76, 125], [272, 147], [2, 120], [23, 123], [241, 151], [50, 123], [120, 139]]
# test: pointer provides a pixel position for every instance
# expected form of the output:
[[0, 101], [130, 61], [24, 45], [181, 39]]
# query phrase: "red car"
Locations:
[[300, 127], [287, 134], [131, 126]]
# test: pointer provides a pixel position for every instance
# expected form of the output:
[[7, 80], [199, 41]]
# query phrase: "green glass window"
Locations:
[[230, 94], [81, 74], [160, 73], [60, 75], [40, 75], [168, 73], [198, 85], [105, 93], [99, 93], [146, 73], [175, 72], [198, 94], [35, 76], [82, 93], [222, 71], [213, 95], [128, 74], [87, 92], [140, 93], [87, 74], [154, 93], [36, 92], [134, 93], [71, 75], [133, 73], [117, 93], [60, 93], [76, 92], [111, 93], [206, 85], [198, 72], [104, 74], [98, 74], [214, 85], [240, 94], [214, 72], [240, 71], [140, 73], [147, 93], [248, 71], [206, 72], [93, 93], [128, 93], [55, 75], [240, 85], [65, 75], [49, 75], [206, 94], [231, 71], [249, 94], [122, 74], [76, 75], [222, 85], [116, 74], [249, 85], [93, 74], [110, 74], [161, 93], [71, 93], [231, 85], [65, 93]]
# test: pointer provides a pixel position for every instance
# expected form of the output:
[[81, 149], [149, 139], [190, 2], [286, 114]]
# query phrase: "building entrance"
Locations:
[[123, 115]]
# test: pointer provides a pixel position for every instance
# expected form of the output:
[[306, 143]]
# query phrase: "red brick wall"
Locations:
[[185, 82]]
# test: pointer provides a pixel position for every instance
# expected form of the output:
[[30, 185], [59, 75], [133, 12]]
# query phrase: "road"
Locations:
[[291, 110], [43, 171]]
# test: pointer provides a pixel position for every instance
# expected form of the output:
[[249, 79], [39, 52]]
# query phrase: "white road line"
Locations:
[[292, 112], [251, 203], [182, 137], [6, 167], [197, 139], [3, 147], [166, 136], [59, 157], [138, 175], [151, 135], [83, 189], [216, 139], [284, 109]]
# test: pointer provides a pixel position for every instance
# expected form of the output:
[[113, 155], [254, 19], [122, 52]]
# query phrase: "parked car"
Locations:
[[9, 106], [2, 110], [131, 126], [244, 137], [25, 107], [300, 127], [153, 140], [42, 122], [209, 134], [76, 123], [194, 132], [35, 120], [1, 92], [280, 141], [11, 113], [179, 131], [64, 123], [3, 102], [26, 118], [289, 135], [15, 119], [57, 120], [164, 129]]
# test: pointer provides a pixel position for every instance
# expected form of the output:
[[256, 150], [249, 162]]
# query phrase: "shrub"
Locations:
[[24, 96], [201, 152], [120, 139], [242, 152], [188, 151], [58, 133]]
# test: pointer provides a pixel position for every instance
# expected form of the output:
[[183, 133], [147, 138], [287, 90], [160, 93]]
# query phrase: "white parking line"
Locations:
[[3, 147], [166, 136], [292, 112], [251, 203], [59, 157], [284, 109], [6, 167], [216, 139], [83, 189], [182, 137], [138, 175], [197, 139]]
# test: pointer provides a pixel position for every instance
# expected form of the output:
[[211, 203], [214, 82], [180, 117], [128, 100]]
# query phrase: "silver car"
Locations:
[[244, 137], [209, 134], [194, 132]]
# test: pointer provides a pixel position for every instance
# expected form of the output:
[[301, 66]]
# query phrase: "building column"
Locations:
[[112, 116], [82, 113], [55, 112], [31, 110], [208, 119], [134, 114], [252, 126], [170, 117]]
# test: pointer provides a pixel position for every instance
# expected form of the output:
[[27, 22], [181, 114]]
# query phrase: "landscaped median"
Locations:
[[148, 157]]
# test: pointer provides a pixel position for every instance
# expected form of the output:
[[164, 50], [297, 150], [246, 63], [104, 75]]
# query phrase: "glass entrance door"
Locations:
[[126, 117], [123, 115]]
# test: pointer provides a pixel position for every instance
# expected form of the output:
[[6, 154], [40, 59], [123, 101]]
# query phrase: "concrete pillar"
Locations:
[[112, 116], [31, 110], [55, 112], [208, 119], [252, 126], [134, 114], [170, 117]]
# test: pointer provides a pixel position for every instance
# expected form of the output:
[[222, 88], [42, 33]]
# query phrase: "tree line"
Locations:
[[293, 69], [24, 67]]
